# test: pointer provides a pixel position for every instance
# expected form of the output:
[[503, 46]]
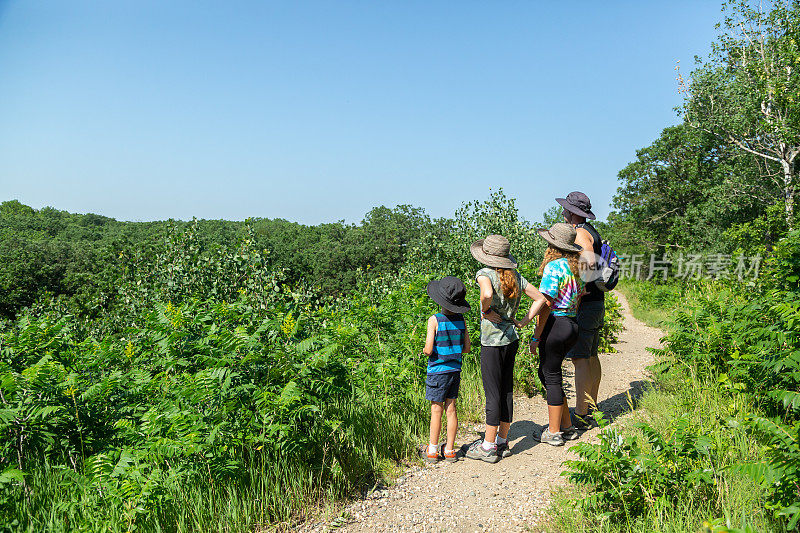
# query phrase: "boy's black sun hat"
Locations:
[[450, 293]]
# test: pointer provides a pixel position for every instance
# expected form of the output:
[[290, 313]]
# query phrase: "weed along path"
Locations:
[[512, 494]]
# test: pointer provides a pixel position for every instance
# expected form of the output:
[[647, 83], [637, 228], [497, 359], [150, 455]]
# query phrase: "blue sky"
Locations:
[[318, 111]]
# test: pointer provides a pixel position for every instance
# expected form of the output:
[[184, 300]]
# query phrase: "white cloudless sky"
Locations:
[[318, 111]]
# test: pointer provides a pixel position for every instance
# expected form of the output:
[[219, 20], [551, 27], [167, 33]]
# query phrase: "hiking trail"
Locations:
[[512, 494]]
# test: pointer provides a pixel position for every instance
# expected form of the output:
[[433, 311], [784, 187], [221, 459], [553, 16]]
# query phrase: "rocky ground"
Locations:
[[512, 494]]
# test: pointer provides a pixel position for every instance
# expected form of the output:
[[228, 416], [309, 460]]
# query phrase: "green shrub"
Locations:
[[630, 472], [210, 393], [741, 348], [612, 324]]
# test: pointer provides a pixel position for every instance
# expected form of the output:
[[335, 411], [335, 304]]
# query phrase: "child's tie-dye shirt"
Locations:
[[559, 283]]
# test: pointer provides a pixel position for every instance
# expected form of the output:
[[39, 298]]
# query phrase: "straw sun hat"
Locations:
[[561, 236], [493, 251]]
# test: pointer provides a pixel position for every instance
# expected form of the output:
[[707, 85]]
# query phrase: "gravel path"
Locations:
[[510, 495]]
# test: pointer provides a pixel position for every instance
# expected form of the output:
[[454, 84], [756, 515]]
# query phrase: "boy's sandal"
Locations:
[[451, 457], [428, 457]]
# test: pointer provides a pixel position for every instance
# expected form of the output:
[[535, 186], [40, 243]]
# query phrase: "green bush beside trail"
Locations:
[[717, 444]]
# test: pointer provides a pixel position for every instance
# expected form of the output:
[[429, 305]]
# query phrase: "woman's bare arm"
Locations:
[[539, 301], [487, 292], [541, 320], [584, 240]]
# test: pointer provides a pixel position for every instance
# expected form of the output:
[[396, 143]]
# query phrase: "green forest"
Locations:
[[213, 375]]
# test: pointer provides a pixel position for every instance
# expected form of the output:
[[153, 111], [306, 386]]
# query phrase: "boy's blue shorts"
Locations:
[[441, 387]]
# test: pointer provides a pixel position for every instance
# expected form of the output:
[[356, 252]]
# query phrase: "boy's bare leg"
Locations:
[[452, 422], [503, 431], [437, 408]]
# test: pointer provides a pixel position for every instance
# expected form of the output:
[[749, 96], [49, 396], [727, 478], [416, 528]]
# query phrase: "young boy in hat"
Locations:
[[446, 341]]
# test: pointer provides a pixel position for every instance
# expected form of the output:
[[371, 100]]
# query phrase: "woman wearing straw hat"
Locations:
[[501, 291], [557, 330]]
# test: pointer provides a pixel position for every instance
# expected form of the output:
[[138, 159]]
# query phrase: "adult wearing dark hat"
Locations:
[[501, 291], [591, 311]]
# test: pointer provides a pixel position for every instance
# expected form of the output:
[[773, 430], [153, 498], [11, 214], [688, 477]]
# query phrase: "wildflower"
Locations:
[[288, 325]]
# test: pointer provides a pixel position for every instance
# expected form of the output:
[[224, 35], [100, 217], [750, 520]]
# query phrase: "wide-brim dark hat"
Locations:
[[578, 203], [450, 293], [561, 236], [493, 251]]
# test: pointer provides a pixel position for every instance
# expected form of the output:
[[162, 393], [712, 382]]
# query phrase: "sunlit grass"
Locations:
[[737, 502]]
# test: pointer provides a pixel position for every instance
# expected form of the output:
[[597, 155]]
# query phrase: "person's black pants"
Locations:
[[497, 373], [559, 336]]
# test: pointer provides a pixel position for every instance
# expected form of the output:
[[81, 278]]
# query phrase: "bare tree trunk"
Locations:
[[789, 191]]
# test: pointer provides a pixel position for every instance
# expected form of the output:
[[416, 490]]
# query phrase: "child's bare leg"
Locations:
[[437, 408], [452, 422], [555, 414], [491, 433], [503, 431]]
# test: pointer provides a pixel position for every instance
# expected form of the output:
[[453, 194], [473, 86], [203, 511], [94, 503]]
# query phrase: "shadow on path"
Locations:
[[623, 402], [612, 408]]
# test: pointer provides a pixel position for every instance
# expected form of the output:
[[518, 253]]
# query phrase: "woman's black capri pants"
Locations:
[[497, 373], [559, 336]]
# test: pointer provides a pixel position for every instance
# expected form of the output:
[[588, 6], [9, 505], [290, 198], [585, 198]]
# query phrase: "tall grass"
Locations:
[[736, 498], [682, 404], [652, 303]]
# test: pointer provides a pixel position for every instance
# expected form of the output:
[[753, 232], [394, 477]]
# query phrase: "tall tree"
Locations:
[[748, 92], [685, 180]]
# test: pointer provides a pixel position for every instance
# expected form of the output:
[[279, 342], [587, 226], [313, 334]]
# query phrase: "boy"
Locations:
[[447, 339]]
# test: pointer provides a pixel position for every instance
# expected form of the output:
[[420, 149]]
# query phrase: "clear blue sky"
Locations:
[[317, 111]]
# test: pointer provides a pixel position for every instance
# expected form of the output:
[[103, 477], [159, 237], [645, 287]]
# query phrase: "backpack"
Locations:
[[609, 269]]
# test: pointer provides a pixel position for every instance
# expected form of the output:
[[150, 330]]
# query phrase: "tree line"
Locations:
[[725, 178], [47, 252]]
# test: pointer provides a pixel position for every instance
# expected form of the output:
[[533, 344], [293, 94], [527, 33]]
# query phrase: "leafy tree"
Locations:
[[685, 181], [445, 249], [552, 216], [747, 92]]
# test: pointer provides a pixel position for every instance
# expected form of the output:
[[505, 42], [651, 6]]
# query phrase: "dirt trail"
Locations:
[[510, 495]]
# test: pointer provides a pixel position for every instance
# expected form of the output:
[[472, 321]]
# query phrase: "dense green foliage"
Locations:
[[200, 367], [188, 376], [725, 179], [716, 445], [78, 257], [213, 374], [731, 372], [745, 94], [686, 191]]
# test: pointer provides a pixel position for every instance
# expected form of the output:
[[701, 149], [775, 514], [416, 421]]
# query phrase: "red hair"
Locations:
[[508, 282]]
